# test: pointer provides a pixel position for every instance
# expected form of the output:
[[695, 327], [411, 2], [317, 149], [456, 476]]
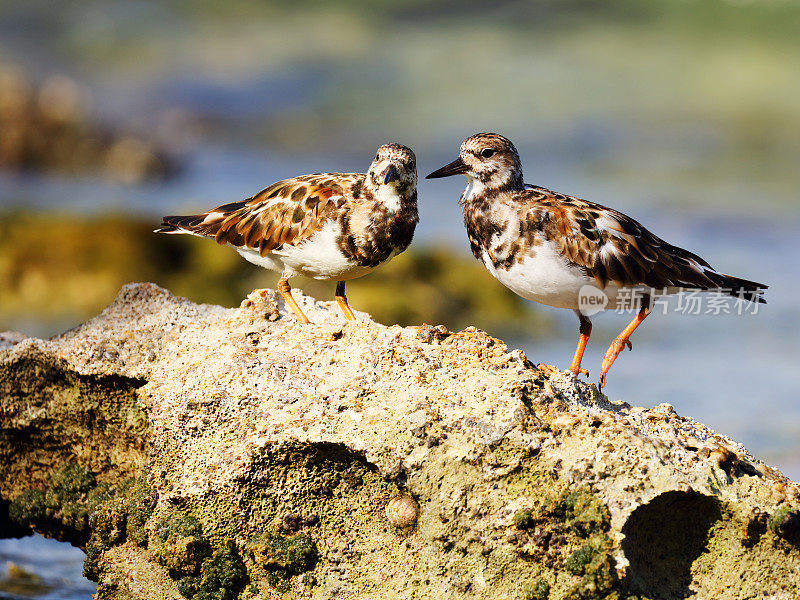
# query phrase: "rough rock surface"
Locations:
[[265, 453]]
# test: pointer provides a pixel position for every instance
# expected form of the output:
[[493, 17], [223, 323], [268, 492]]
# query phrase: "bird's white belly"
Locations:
[[317, 257], [273, 263], [543, 276]]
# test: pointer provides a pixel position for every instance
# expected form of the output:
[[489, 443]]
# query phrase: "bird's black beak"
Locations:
[[457, 167], [391, 174]]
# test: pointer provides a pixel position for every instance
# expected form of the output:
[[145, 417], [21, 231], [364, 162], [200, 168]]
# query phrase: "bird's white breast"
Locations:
[[474, 186], [318, 257], [543, 275], [388, 196]]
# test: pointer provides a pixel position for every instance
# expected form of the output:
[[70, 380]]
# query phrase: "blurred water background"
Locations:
[[681, 113], [35, 567]]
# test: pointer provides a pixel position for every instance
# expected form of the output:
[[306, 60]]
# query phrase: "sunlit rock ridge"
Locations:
[[204, 452]]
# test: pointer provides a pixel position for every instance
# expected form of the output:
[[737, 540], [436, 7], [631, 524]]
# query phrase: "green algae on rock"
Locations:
[[581, 509], [121, 516], [177, 542], [292, 554], [567, 534], [63, 508], [283, 556], [273, 449], [201, 570], [93, 515], [524, 519], [221, 576], [785, 522], [539, 590], [596, 566]]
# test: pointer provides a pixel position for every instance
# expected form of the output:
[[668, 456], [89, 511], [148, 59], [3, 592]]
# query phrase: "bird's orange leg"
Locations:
[[286, 292], [585, 332], [342, 300], [621, 341]]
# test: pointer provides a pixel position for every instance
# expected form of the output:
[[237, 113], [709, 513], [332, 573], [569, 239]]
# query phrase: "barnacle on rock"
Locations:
[[402, 511]]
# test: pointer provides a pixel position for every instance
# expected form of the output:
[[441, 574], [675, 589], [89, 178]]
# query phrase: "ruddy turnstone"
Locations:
[[549, 247], [331, 226]]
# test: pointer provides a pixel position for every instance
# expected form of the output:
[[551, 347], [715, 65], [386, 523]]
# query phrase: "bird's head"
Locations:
[[394, 166], [488, 160]]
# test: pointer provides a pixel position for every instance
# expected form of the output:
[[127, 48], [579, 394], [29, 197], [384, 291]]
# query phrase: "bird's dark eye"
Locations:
[[487, 153]]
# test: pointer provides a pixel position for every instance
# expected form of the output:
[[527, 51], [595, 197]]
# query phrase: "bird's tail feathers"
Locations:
[[181, 224], [744, 289]]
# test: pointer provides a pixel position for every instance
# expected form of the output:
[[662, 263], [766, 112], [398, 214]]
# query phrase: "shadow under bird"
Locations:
[[549, 247], [330, 226]]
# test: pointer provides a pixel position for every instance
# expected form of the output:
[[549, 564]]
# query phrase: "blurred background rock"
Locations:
[[44, 129], [681, 113]]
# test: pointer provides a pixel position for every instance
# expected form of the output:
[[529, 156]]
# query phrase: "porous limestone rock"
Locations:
[[204, 452]]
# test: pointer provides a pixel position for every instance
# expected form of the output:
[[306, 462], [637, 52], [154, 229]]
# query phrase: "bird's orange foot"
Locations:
[[578, 371], [617, 346], [546, 369]]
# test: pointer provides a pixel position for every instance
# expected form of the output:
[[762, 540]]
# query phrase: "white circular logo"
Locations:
[[591, 300]]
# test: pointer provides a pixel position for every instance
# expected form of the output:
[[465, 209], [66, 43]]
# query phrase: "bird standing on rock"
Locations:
[[549, 247], [331, 226]]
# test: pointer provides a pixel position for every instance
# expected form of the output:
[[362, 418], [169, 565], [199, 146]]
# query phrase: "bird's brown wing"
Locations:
[[612, 247], [286, 212]]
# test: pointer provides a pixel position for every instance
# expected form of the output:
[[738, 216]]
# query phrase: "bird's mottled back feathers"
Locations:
[[286, 212]]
